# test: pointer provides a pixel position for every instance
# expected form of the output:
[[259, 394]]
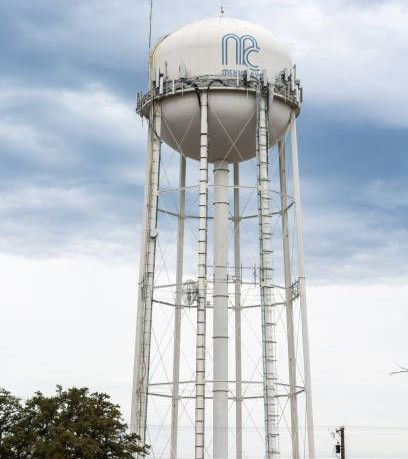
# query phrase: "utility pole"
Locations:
[[341, 446]]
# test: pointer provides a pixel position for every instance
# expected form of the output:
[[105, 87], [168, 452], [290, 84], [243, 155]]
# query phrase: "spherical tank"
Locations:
[[224, 49]]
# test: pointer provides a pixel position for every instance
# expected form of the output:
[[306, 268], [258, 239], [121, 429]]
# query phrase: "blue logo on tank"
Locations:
[[245, 46]]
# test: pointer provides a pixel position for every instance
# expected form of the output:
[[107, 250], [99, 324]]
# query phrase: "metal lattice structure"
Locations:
[[224, 328]]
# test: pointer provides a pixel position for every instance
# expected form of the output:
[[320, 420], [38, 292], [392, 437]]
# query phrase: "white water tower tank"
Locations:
[[222, 91], [219, 47]]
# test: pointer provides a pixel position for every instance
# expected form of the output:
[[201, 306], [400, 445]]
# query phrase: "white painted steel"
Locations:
[[268, 309], [302, 286], [222, 125], [237, 304], [197, 50], [220, 313], [178, 309], [231, 124], [145, 305], [289, 293], [202, 283], [140, 309]]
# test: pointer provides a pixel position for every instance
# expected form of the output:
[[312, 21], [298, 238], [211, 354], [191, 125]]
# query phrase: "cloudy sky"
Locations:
[[72, 166]]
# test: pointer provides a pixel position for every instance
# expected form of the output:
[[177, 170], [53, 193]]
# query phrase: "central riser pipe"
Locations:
[[220, 325]]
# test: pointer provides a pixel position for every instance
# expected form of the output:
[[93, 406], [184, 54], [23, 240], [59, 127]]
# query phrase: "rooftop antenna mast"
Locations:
[[222, 8], [150, 25]]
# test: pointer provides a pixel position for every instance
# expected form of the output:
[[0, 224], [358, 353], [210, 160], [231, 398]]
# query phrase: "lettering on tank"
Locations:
[[239, 51]]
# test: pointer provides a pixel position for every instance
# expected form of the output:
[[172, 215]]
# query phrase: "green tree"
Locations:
[[10, 411], [72, 424]]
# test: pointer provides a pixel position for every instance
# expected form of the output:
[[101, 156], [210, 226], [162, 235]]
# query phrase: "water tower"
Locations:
[[222, 355]]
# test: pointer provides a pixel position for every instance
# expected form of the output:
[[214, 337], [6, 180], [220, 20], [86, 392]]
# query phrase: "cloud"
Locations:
[[344, 245], [74, 172], [92, 112], [26, 142], [348, 53], [48, 221], [75, 43], [61, 311], [71, 182], [72, 321], [391, 195], [73, 149], [356, 339], [75, 177]]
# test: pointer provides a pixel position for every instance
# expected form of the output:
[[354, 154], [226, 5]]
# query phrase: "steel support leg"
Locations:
[[178, 309], [220, 327], [237, 303], [202, 283], [268, 313], [302, 287], [289, 302], [146, 283]]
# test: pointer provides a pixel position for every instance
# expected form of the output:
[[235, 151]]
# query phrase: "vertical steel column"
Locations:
[[202, 283], [302, 286], [220, 323], [146, 285], [178, 308], [140, 309], [289, 301], [268, 313], [237, 303]]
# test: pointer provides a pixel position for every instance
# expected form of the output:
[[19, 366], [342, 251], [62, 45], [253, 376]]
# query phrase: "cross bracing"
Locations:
[[266, 391]]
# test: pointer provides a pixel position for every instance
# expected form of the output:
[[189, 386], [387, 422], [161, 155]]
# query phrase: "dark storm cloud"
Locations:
[[73, 43], [355, 198], [72, 148], [68, 173]]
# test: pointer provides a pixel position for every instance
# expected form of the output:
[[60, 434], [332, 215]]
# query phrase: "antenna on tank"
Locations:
[[221, 8], [150, 24], [149, 75]]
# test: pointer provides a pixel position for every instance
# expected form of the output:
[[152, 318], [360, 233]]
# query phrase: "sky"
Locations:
[[71, 182]]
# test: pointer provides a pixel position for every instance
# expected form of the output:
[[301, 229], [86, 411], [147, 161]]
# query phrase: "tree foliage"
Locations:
[[72, 424]]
